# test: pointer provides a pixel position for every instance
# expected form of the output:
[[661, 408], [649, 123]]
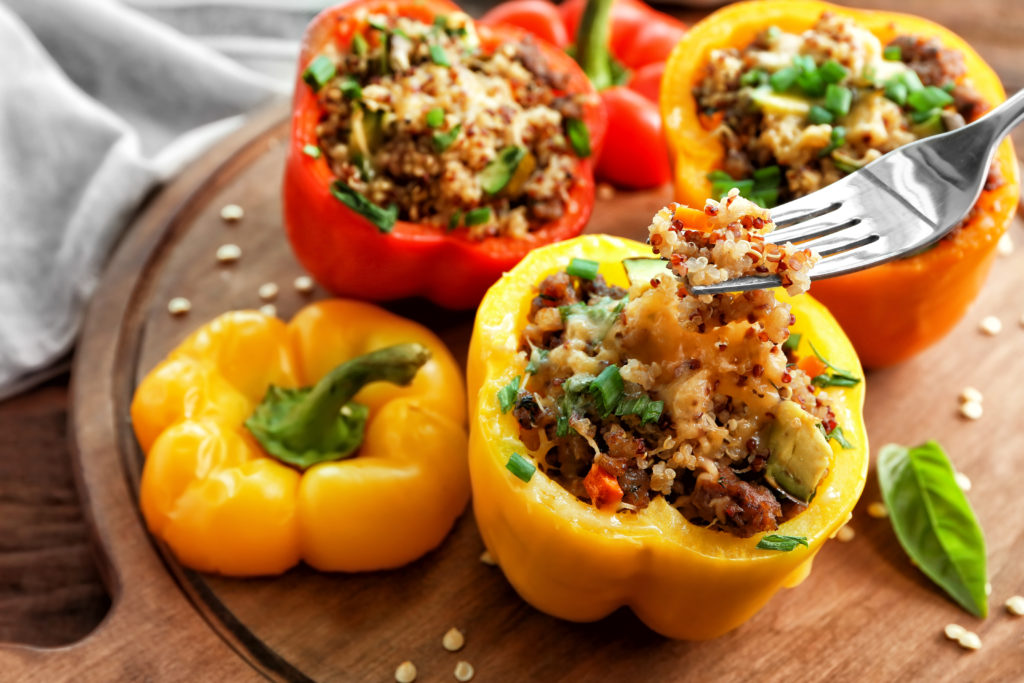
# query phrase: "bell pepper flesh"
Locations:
[[892, 311], [222, 505], [571, 560], [347, 254]]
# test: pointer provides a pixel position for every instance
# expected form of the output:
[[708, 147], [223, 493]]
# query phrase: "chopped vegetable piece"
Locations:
[[579, 137], [444, 140], [455, 219], [840, 437], [435, 117], [319, 72], [521, 467], [832, 71], [350, 88], [499, 171], [897, 92], [646, 269], [793, 342], [781, 543], [508, 393], [602, 488], [438, 56], [892, 53], [811, 83], [819, 114], [378, 24], [478, 216], [929, 98], [359, 45], [537, 358], [608, 387], [754, 77], [838, 99], [812, 366], [783, 79], [311, 151], [384, 219], [583, 268]]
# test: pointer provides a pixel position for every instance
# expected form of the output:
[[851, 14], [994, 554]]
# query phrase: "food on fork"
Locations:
[[429, 155], [631, 444], [785, 97]]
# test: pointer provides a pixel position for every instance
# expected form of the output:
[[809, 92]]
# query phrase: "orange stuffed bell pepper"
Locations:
[[905, 78], [248, 472], [428, 155], [580, 554]]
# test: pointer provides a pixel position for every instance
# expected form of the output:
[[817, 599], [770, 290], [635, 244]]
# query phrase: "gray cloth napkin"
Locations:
[[100, 102]]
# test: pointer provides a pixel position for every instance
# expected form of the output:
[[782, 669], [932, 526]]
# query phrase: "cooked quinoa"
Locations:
[[822, 104], [417, 118], [667, 394]]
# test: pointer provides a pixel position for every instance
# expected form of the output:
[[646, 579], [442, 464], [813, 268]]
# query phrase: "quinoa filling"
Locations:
[[706, 401], [418, 122], [798, 112]]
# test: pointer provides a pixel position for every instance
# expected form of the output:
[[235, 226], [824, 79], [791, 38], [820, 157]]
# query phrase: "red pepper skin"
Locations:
[[647, 80], [539, 17], [635, 154], [347, 254]]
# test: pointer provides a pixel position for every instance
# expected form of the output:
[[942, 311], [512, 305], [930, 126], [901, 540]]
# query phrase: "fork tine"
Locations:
[[857, 236], [740, 284], [809, 230], [800, 210], [861, 255]]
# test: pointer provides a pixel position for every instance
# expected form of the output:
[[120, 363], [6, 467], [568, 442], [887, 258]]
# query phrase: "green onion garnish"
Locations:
[[832, 71], [838, 99], [754, 77], [521, 467], [896, 91], [793, 342], [805, 63], [455, 219], [767, 176], [438, 56], [892, 53], [444, 140], [924, 116], [579, 137], [811, 83], [641, 406], [478, 216], [929, 98], [384, 219], [607, 387], [435, 117], [781, 543], [500, 170], [441, 21], [537, 358], [311, 151], [359, 45], [783, 79], [508, 393], [350, 88], [836, 140], [378, 24], [819, 114], [840, 437], [583, 268], [319, 72]]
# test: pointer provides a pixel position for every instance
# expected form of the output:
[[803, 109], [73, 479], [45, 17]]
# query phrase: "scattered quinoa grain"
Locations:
[[406, 672], [269, 309], [229, 253], [1005, 245], [970, 394], [268, 291], [453, 640], [304, 284], [232, 213], [487, 558], [1015, 605], [954, 631], [878, 510], [464, 671], [963, 481], [969, 641], [605, 191], [179, 305], [971, 410], [845, 534], [991, 325]]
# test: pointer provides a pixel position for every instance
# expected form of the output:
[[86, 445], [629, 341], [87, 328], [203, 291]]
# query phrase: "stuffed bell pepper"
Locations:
[[622, 46], [782, 97], [336, 439], [631, 444], [427, 156]]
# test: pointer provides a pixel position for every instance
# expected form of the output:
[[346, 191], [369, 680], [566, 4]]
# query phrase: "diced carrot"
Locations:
[[603, 488], [712, 121], [693, 219], [812, 365]]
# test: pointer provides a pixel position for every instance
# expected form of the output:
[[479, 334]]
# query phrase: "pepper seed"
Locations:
[[1015, 605], [954, 631], [304, 284], [268, 291], [229, 253], [406, 672], [878, 510], [232, 213], [991, 325], [453, 640], [971, 410], [969, 641], [179, 305], [464, 671]]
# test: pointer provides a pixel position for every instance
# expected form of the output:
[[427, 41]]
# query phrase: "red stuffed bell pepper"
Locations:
[[639, 41], [384, 200]]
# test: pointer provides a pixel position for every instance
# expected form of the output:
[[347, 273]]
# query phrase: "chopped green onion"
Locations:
[[608, 388], [793, 342], [783, 79], [766, 199], [311, 151], [500, 170], [754, 77], [781, 543], [929, 98], [838, 99], [896, 91], [892, 53], [378, 24], [444, 140], [579, 137], [811, 83], [805, 63], [641, 406], [478, 216], [722, 187], [455, 219], [769, 176], [924, 116], [350, 88], [832, 71], [583, 268], [836, 140], [441, 21], [819, 114], [438, 56], [319, 72], [508, 393], [521, 467], [384, 219], [359, 45], [435, 117]]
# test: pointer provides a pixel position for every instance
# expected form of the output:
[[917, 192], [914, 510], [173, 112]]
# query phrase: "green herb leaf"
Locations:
[[438, 56], [508, 393], [455, 219], [934, 522], [840, 437], [607, 387], [359, 45], [754, 78], [521, 467], [319, 72], [838, 377], [781, 543], [583, 268], [579, 137], [435, 117], [537, 358], [443, 140], [350, 88], [384, 219], [478, 216], [500, 170], [378, 24], [793, 342], [597, 313], [892, 53], [311, 151], [819, 114]]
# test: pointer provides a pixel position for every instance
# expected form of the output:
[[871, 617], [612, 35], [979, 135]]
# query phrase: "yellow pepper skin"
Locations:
[[222, 505], [573, 561]]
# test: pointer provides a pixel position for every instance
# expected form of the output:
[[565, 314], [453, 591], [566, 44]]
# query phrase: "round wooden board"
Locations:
[[865, 612]]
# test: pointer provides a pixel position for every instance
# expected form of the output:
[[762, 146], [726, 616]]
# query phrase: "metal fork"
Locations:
[[897, 205]]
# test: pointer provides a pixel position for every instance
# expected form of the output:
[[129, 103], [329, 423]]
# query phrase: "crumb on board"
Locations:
[[1015, 605], [232, 213], [878, 510], [268, 291], [845, 534], [962, 480], [228, 253], [970, 394], [406, 672], [453, 640], [269, 309], [464, 671], [487, 558], [991, 325], [304, 284], [179, 305], [971, 410]]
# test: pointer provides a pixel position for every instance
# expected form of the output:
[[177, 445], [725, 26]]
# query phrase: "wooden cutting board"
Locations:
[[865, 613]]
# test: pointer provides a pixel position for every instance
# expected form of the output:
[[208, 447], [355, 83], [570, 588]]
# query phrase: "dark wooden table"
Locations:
[[50, 590]]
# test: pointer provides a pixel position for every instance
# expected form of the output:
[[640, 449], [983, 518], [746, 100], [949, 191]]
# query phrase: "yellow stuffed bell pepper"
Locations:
[[575, 561], [242, 474]]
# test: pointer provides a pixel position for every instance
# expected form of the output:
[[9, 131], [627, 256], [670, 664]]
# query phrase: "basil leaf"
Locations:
[[384, 219], [934, 522], [781, 543], [508, 393], [579, 137]]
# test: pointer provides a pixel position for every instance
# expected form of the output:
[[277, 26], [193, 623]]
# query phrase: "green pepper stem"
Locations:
[[592, 38]]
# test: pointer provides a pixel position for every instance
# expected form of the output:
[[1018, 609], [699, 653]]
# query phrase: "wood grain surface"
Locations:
[[52, 593]]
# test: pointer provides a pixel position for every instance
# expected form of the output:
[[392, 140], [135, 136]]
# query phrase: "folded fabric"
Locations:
[[98, 103]]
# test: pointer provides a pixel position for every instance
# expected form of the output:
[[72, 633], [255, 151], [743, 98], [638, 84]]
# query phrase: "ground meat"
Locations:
[[744, 507], [934, 64], [535, 63]]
